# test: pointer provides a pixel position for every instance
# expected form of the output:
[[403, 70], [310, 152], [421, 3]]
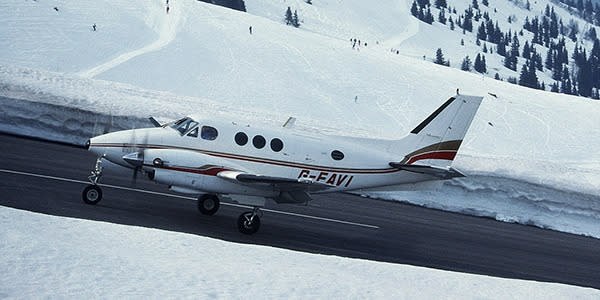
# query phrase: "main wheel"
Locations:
[[92, 194], [247, 224], [208, 204]]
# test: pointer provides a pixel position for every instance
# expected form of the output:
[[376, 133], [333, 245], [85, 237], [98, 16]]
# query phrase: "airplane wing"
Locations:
[[443, 173], [291, 190], [280, 183]]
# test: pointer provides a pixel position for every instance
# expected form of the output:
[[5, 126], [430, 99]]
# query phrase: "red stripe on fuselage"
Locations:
[[210, 172], [447, 155]]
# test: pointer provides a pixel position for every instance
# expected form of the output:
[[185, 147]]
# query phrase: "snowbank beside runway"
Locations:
[[91, 259]]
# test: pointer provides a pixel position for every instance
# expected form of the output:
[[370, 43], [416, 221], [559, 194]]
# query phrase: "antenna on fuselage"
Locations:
[[289, 123]]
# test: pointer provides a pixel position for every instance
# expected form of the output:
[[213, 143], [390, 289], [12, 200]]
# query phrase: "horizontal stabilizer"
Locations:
[[443, 173]]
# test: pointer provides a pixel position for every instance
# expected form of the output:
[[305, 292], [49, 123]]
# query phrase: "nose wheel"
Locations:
[[249, 222], [92, 194]]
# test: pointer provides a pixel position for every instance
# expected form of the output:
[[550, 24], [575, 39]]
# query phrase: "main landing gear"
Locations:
[[92, 194], [208, 204], [249, 222]]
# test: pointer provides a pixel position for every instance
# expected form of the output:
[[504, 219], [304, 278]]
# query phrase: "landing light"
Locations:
[[157, 162]]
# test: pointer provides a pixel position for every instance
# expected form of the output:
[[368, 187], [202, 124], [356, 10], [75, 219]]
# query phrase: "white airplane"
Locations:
[[223, 160]]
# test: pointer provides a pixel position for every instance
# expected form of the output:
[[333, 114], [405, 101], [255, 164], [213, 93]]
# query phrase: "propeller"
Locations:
[[136, 158]]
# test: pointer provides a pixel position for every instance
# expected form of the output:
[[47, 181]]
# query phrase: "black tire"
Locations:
[[248, 225], [92, 194], [208, 204]]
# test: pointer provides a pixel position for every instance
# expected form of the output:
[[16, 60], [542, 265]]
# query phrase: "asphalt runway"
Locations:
[[49, 178]]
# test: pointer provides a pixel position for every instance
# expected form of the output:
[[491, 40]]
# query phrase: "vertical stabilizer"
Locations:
[[436, 140]]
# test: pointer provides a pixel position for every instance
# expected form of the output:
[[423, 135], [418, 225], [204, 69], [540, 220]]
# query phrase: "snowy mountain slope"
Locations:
[[202, 58], [56, 257]]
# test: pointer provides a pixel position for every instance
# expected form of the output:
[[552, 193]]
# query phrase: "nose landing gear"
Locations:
[[92, 194]]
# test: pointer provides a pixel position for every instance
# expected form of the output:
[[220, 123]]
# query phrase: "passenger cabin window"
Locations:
[[276, 145], [337, 155], [209, 133], [259, 141], [241, 138]]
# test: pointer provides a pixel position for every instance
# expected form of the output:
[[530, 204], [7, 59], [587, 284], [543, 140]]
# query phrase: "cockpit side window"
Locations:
[[193, 132], [184, 125], [209, 133]]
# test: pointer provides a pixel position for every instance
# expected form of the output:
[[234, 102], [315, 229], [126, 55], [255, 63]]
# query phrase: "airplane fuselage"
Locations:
[[321, 159]]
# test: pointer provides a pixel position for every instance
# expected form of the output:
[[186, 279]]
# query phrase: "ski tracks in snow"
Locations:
[[411, 29], [166, 33]]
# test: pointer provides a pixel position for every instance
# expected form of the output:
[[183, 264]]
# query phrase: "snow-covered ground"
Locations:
[[523, 145], [531, 156], [56, 257]]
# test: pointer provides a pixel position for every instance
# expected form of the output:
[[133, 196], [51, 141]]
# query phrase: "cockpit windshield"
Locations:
[[184, 125]]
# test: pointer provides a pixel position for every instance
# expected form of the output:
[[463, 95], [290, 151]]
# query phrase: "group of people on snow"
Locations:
[[356, 43]]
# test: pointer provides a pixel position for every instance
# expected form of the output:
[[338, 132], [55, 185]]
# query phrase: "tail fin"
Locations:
[[435, 141]]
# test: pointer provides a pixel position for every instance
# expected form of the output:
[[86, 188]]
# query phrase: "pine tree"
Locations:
[[553, 24], [584, 80], [528, 77], [510, 61], [414, 10], [591, 34], [467, 24], [481, 34], [526, 51], [442, 17], [548, 62], [295, 21], [439, 57], [523, 80], [466, 64], [485, 3], [483, 64], [423, 3], [514, 49], [485, 50], [501, 49], [537, 58], [288, 16], [573, 30], [428, 16], [477, 63], [532, 76]]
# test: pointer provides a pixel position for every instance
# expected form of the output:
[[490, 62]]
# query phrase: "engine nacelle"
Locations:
[[182, 190], [194, 171]]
